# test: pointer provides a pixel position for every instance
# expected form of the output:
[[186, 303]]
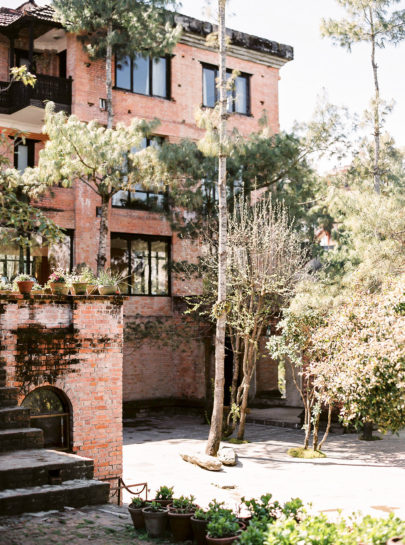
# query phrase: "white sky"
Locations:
[[346, 77]]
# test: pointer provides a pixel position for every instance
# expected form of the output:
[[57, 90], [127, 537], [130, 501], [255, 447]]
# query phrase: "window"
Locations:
[[37, 261], [146, 76], [140, 198], [143, 261], [24, 154], [238, 97]]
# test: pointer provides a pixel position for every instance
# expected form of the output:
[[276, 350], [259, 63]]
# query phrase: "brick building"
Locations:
[[169, 89]]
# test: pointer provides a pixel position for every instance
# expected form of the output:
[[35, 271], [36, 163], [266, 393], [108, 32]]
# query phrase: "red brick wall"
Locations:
[[89, 366]]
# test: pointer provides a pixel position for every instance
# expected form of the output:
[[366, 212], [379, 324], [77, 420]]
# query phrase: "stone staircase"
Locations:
[[33, 478]]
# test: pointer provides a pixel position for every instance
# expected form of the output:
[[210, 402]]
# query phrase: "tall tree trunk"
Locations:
[[231, 422], [103, 234], [315, 433], [108, 78], [325, 435], [215, 433], [377, 132], [243, 411]]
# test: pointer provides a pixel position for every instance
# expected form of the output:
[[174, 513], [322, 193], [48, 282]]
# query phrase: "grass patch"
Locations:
[[235, 441], [300, 452]]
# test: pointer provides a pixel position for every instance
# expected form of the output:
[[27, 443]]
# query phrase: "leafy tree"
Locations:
[[103, 159], [376, 23], [119, 27]]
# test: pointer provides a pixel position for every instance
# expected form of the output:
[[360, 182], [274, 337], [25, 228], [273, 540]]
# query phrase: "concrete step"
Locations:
[[37, 467], [8, 396], [21, 439], [74, 493], [14, 417]]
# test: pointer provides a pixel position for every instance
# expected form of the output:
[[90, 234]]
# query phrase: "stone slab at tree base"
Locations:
[[227, 456], [202, 460]]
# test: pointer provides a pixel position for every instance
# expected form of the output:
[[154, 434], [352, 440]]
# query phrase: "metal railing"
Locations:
[[116, 491]]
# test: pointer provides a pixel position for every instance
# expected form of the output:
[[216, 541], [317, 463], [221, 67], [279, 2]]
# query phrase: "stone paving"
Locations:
[[356, 475]]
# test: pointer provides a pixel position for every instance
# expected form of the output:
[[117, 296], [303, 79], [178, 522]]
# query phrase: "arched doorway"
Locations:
[[50, 411]]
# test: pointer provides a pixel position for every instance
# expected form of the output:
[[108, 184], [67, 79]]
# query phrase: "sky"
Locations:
[[318, 66]]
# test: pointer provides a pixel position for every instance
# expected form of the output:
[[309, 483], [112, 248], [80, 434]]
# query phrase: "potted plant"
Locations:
[[180, 513], [262, 509], [81, 280], [199, 522], [223, 529], [135, 510], [155, 516], [5, 287], [164, 495], [37, 289], [24, 283], [109, 282], [58, 282]]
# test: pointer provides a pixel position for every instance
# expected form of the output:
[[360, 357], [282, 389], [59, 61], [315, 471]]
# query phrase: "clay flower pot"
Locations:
[[79, 288], [137, 517], [164, 503], [108, 290], [221, 540], [25, 286], [180, 525], [155, 522], [59, 288], [199, 528]]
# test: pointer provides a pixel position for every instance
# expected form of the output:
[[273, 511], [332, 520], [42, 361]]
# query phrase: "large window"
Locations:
[[238, 97], [139, 197], [37, 261], [143, 262], [144, 76]]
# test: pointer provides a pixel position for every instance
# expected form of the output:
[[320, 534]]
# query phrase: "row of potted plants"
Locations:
[[61, 282], [263, 521]]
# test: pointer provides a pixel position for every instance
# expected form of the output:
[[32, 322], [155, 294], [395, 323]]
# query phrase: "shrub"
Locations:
[[155, 506], [263, 509], [164, 493], [254, 533], [184, 504], [223, 525], [137, 502]]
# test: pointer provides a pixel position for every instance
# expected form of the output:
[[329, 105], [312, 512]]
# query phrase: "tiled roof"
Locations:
[[9, 16]]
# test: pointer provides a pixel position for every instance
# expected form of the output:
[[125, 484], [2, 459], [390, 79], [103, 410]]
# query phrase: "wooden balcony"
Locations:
[[19, 96]]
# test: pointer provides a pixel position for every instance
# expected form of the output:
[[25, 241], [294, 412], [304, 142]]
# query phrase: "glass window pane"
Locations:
[[44, 401], [22, 157], [241, 98], [209, 87], [120, 198], [141, 75], [159, 265], [140, 266], [120, 260], [229, 96], [159, 71], [123, 78]]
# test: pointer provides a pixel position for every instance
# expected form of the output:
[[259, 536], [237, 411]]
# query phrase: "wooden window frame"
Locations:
[[150, 94], [245, 75]]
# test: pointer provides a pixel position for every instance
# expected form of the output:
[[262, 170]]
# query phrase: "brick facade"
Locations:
[[73, 344]]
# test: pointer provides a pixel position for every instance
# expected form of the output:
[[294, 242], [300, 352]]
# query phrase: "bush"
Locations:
[[263, 509], [254, 533], [164, 493], [137, 502], [223, 525], [184, 505]]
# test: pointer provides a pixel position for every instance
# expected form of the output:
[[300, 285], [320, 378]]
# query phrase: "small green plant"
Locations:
[[110, 278], [23, 278], [223, 525], [59, 276], [84, 275], [36, 287], [154, 506], [137, 502], [184, 504], [164, 493], [216, 508], [254, 533], [4, 285], [294, 509], [200, 514], [262, 509]]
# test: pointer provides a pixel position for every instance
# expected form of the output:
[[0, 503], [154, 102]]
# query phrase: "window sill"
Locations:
[[229, 113], [169, 99]]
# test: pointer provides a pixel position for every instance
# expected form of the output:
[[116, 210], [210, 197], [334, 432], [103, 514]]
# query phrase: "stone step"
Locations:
[[21, 439], [74, 493], [8, 396], [14, 417], [37, 467]]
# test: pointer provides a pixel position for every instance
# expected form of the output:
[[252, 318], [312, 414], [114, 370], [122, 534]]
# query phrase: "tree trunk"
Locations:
[[215, 433], [307, 423], [243, 412], [315, 433], [377, 132], [325, 435], [108, 78], [103, 234], [368, 431]]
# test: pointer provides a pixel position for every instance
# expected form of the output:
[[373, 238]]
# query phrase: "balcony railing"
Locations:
[[19, 96]]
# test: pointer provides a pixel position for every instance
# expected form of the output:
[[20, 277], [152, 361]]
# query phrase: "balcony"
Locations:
[[19, 96]]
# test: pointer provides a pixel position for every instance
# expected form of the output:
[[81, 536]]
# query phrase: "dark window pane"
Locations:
[[241, 95], [140, 266], [159, 267], [124, 73], [120, 260], [141, 75], [159, 71], [44, 401], [209, 87], [120, 198]]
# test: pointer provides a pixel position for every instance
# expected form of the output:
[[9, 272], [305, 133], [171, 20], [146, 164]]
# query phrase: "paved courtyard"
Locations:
[[356, 475]]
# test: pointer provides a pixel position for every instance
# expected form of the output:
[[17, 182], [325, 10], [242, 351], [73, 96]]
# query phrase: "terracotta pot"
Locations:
[[396, 541], [108, 290], [155, 522], [180, 525], [221, 540], [25, 286], [199, 528], [79, 288], [137, 517], [163, 503], [91, 290], [59, 288]]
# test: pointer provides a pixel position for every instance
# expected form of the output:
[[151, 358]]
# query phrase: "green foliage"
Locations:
[[154, 506], [23, 278], [223, 524], [200, 514], [164, 493], [299, 452], [254, 534], [184, 504], [137, 502], [262, 509], [109, 278]]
